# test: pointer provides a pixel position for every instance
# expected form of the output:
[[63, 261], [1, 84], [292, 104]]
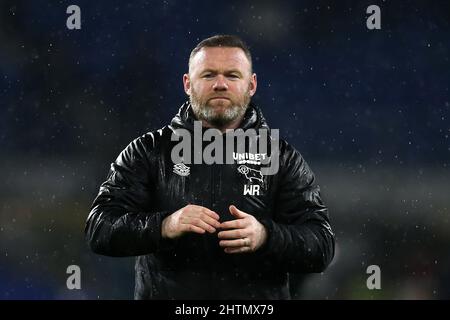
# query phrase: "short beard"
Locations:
[[203, 111]]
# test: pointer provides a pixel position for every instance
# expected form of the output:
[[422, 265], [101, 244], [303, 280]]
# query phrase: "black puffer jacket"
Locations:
[[143, 188]]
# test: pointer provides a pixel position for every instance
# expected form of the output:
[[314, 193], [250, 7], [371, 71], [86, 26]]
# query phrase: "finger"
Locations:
[[211, 221], [199, 223], [245, 242], [234, 224], [207, 211], [211, 213], [202, 216], [237, 213], [232, 234], [237, 250], [191, 228]]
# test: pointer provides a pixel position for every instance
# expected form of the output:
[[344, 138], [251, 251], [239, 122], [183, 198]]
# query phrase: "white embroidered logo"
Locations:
[[181, 169], [250, 173], [252, 189], [251, 158]]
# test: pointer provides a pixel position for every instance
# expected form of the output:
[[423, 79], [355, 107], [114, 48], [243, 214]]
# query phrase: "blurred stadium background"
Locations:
[[369, 111]]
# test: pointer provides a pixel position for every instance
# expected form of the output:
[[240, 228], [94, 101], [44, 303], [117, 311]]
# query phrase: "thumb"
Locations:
[[236, 212]]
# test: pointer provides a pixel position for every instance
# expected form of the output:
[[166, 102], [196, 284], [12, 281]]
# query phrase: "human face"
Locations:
[[220, 85]]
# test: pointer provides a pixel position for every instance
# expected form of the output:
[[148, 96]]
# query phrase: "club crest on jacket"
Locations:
[[250, 173], [181, 169]]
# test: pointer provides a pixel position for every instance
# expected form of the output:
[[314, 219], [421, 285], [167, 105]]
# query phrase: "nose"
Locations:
[[220, 84]]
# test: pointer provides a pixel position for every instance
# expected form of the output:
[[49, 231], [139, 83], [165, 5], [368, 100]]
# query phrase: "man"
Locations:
[[220, 230]]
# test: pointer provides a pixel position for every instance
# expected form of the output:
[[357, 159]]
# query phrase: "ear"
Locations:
[[253, 85], [187, 84]]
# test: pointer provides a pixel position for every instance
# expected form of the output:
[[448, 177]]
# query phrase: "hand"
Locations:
[[246, 235], [191, 218]]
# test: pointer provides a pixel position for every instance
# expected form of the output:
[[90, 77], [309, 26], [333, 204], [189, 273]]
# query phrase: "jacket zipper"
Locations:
[[213, 200]]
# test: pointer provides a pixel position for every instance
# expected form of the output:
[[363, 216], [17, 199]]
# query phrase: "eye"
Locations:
[[208, 75], [233, 76]]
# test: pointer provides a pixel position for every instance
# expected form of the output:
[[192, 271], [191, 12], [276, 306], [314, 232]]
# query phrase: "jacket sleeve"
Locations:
[[300, 238], [119, 223]]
